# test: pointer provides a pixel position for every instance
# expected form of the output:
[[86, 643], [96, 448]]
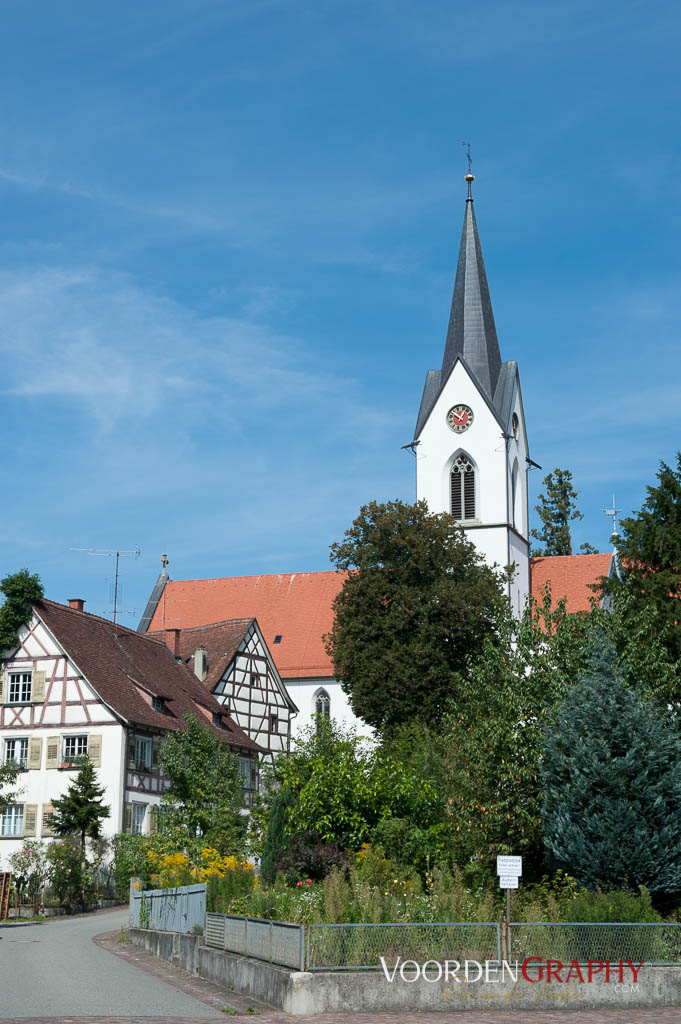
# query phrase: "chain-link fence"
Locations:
[[351, 947], [656, 944]]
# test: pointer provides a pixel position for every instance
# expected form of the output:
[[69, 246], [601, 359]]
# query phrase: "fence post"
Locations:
[[134, 888], [302, 946]]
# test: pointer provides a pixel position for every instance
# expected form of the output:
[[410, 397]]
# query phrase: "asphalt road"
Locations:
[[56, 970]]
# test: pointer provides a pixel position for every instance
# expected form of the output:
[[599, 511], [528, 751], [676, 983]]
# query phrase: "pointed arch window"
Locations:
[[463, 488], [322, 703]]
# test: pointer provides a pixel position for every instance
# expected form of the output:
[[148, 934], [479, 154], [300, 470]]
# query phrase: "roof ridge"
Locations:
[[259, 575], [88, 615], [154, 633]]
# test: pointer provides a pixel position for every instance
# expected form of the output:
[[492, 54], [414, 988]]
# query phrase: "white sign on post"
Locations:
[[508, 881], [510, 866]]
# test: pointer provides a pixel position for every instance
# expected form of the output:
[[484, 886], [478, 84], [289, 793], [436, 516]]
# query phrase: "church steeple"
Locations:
[[471, 332]]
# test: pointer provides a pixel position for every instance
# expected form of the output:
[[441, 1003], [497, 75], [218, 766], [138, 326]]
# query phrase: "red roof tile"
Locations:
[[122, 666], [295, 606], [569, 576]]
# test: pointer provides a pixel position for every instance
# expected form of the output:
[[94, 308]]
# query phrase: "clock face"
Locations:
[[459, 418]]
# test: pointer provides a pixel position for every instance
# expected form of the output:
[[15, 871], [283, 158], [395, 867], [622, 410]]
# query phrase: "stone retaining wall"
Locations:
[[299, 992]]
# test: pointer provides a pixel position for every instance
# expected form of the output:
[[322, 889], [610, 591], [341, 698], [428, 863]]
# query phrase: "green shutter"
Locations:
[[94, 750], [2, 686], [155, 755], [153, 819], [30, 819], [53, 745], [47, 824], [37, 687], [35, 753], [131, 751], [127, 818]]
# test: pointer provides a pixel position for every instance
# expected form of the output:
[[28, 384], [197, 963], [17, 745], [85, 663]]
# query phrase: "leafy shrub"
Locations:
[[616, 905], [68, 871], [29, 867], [308, 856]]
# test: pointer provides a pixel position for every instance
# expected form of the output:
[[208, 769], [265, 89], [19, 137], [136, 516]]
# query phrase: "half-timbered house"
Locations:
[[81, 685], [233, 662]]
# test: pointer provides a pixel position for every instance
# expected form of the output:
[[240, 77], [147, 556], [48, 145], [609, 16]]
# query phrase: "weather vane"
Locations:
[[467, 147], [468, 178], [614, 512]]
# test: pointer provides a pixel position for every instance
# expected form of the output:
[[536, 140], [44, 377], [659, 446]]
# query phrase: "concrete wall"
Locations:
[[298, 992]]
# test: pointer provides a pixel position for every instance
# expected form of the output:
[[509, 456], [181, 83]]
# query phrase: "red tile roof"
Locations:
[[569, 576], [298, 606], [295, 606], [124, 666]]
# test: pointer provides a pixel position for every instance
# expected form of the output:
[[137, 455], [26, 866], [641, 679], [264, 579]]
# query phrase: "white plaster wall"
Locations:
[[303, 692], [494, 458]]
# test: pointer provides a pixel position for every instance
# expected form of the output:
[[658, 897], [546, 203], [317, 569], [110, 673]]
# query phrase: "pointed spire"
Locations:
[[471, 332]]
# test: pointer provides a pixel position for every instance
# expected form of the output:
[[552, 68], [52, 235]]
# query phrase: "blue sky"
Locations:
[[227, 246]]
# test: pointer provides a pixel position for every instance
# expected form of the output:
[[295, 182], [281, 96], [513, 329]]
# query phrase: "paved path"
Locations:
[[55, 970], [56, 974]]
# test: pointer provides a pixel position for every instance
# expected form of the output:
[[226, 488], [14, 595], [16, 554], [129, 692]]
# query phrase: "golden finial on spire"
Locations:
[[470, 177]]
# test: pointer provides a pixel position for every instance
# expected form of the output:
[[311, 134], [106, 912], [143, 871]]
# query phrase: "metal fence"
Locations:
[[278, 942], [170, 910], [655, 944], [352, 947]]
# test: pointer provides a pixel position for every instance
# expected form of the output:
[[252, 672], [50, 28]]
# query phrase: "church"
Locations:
[[472, 461]]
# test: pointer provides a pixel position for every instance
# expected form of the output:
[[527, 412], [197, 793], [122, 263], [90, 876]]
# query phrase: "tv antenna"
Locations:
[[110, 553], [614, 512]]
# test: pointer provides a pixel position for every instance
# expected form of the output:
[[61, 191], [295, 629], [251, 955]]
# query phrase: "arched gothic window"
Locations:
[[514, 495], [463, 488], [322, 703]]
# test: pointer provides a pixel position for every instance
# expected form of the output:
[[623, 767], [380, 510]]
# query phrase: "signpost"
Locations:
[[509, 870]]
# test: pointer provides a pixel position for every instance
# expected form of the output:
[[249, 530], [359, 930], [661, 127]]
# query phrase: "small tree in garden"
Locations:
[[81, 810], [612, 785], [67, 871], [206, 790]]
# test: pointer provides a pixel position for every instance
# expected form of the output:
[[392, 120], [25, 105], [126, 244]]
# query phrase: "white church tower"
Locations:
[[470, 442]]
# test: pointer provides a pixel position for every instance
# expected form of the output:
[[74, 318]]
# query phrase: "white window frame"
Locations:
[[142, 749], [139, 816], [21, 685], [12, 821], [22, 760], [77, 741]]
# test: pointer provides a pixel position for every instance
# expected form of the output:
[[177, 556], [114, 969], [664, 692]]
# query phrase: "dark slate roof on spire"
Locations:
[[471, 335], [152, 603], [471, 332]]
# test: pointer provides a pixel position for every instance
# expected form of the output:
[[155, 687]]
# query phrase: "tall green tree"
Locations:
[[81, 810], [205, 795], [417, 602], [9, 794], [20, 589], [556, 509], [494, 733], [612, 784], [649, 549]]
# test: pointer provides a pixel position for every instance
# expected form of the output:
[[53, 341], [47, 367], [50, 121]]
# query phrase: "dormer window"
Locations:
[[217, 719], [158, 703]]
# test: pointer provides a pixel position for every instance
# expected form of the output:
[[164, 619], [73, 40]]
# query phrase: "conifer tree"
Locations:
[[81, 810], [557, 508], [612, 785], [649, 549]]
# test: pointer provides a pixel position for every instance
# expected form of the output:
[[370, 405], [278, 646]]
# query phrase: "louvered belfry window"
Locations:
[[463, 489]]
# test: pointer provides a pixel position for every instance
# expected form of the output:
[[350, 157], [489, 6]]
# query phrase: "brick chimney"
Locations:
[[173, 641], [77, 603]]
